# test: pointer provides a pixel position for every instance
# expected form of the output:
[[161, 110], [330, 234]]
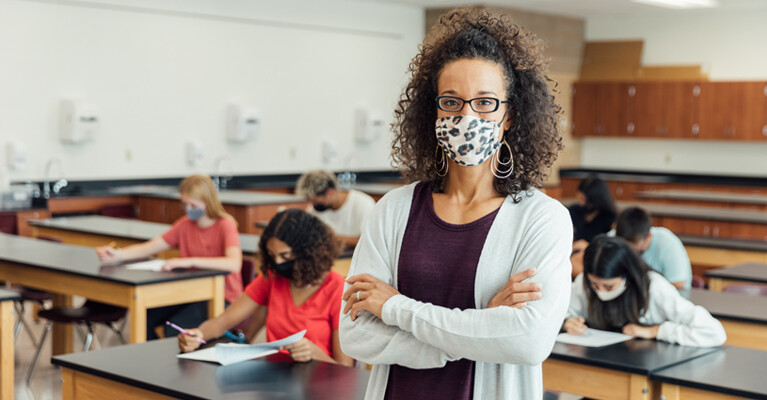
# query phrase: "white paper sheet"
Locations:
[[230, 353], [151, 265], [593, 338]]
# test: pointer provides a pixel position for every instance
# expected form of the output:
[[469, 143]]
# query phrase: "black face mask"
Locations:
[[320, 207], [285, 269]]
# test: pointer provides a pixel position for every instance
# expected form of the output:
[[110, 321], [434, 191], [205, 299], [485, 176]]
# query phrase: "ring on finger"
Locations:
[[358, 296]]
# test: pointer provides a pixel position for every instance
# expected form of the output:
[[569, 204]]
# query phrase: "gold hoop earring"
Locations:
[[496, 162], [442, 165]]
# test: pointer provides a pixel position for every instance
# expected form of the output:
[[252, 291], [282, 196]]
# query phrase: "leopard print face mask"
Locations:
[[468, 140]]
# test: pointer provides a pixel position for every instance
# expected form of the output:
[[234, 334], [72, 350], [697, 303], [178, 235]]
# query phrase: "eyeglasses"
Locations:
[[479, 104]]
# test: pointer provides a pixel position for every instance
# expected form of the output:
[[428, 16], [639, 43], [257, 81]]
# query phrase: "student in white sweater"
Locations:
[[460, 281], [618, 292]]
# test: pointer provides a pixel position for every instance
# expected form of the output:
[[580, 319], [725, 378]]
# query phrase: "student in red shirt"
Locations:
[[297, 290], [206, 237]]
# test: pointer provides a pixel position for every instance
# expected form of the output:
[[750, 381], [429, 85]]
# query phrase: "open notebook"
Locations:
[[230, 353]]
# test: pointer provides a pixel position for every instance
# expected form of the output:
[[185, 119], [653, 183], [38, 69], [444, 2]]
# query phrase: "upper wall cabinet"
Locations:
[[668, 109], [665, 109], [733, 110], [600, 109]]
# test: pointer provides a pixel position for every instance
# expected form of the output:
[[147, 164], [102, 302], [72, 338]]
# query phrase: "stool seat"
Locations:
[[29, 294], [89, 312]]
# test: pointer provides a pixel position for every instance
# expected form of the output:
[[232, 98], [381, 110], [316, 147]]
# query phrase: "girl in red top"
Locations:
[[296, 291], [206, 237]]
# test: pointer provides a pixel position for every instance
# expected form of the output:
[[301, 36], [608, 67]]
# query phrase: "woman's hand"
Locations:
[[576, 326], [174, 263], [190, 342], [366, 293], [517, 293], [303, 350], [108, 254], [644, 332]]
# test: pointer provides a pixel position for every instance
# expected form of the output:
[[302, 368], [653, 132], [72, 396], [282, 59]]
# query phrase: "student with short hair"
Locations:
[[618, 292], [344, 211], [658, 246], [297, 290], [206, 237]]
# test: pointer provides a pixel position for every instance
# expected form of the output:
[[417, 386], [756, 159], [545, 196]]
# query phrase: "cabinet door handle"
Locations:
[[706, 230], [695, 129], [632, 91], [696, 91], [764, 130], [630, 128], [716, 231]]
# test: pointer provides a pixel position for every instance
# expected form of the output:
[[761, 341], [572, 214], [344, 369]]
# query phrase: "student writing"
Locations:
[[297, 290], [618, 292], [206, 237]]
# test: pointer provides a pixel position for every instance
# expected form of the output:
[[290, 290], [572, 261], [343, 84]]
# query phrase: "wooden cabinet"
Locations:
[[164, 211], [664, 109], [732, 110], [23, 217], [671, 109], [600, 108], [623, 190]]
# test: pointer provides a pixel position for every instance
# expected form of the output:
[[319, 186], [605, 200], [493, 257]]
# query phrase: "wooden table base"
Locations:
[[594, 382]]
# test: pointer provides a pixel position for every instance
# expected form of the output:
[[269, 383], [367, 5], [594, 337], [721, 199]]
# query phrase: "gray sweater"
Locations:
[[508, 344]]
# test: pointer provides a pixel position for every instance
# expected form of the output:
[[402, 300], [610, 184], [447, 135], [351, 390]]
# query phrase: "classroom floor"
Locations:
[[46, 384]]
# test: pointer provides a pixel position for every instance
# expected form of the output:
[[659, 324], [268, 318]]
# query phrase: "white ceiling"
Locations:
[[583, 8]]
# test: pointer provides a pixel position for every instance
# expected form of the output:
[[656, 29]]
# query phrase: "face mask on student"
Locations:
[[320, 207], [194, 214], [467, 139], [285, 269], [613, 294]]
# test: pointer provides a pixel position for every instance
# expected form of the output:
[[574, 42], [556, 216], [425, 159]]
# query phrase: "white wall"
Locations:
[[730, 46], [163, 71]]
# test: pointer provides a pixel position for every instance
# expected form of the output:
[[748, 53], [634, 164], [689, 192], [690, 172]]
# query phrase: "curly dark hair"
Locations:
[[313, 245], [471, 33]]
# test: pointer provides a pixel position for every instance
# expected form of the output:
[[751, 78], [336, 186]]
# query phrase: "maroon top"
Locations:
[[437, 265]]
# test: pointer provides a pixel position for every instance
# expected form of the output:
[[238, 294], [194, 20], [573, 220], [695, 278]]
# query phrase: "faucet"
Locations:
[[60, 184], [347, 179], [218, 178]]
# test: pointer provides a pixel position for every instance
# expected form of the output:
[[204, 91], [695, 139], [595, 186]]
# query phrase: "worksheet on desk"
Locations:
[[593, 338], [151, 265], [230, 353]]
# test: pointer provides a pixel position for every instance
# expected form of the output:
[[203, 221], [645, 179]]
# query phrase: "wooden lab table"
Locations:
[[744, 317], [95, 231], [7, 298], [741, 273], [729, 374], [67, 271], [151, 370], [617, 372]]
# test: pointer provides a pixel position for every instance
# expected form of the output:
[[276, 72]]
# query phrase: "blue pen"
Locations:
[[239, 338]]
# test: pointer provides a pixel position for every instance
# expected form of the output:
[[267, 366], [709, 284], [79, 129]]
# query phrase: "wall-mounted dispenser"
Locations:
[[243, 123], [78, 121], [329, 150], [16, 155], [194, 153], [368, 126]]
